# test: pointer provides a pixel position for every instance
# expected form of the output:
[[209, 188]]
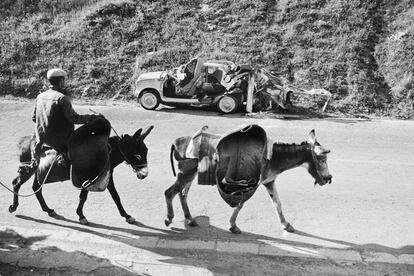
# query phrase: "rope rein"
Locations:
[[54, 160], [53, 163], [41, 186]]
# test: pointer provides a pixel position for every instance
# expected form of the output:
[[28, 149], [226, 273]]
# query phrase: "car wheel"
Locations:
[[149, 100], [227, 104]]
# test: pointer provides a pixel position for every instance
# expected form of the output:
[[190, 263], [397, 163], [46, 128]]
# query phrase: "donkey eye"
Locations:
[[137, 156]]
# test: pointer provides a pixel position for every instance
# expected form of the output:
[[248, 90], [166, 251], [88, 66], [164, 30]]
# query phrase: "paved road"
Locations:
[[368, 207]]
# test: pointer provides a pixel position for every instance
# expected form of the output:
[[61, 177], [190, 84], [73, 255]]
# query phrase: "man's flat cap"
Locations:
[[56, 72]]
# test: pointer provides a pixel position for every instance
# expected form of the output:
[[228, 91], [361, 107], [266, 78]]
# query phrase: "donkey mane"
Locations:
[[290, 147]]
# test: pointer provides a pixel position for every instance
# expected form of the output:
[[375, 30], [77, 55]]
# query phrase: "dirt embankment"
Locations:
[[362, 55]]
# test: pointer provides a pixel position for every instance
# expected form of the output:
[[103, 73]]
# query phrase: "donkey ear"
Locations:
[[146, 132], [312, 137], [137, 134]]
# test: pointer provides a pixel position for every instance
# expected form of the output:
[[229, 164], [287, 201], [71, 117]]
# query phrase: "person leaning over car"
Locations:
[[54, 118]]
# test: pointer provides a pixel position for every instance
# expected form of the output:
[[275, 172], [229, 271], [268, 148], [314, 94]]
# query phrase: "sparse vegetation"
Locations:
[[359, 50]]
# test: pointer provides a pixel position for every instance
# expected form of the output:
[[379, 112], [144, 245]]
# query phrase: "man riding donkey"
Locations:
[[54, 119]]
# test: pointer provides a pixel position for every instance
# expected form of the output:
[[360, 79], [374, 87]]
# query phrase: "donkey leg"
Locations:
[[15, 204], [169, 194], [233, 227], [183, 199], [18, 181], [16, 188], [39, 196], [271, 189], [114, 194], [184, 178], [83, 196]]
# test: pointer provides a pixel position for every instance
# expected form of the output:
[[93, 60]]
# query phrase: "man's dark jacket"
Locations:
[[55, 118]]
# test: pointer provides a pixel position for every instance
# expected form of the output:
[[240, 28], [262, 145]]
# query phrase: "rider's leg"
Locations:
[[35, 150]]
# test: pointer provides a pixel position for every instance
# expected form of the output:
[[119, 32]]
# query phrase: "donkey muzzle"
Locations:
[[324, 180], [142, 173]]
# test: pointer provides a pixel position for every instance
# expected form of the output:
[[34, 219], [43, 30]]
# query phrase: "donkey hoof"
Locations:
[[83, 221], [52, 214], [130, 220], [191, 222], [289, 228], [12, 209], [235, 230], [167, 221]]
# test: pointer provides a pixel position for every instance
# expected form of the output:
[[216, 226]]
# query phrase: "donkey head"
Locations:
[[134, 151], [318, 166]]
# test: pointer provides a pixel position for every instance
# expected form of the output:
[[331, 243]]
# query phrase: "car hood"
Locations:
[[151, 75]]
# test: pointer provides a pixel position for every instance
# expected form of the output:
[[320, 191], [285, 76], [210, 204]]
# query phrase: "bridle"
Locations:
[[316, 163]]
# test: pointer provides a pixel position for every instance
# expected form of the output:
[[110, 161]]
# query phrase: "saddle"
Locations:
[[89, 151], [234, 161], [51, 157]]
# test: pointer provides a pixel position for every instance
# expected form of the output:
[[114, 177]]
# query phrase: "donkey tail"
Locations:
[[172, 158]]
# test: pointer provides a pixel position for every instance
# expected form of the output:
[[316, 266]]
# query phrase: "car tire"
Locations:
[[149, 100], [227, 104]]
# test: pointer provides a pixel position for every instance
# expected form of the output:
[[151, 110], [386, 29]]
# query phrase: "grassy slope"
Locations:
[[360, 50]]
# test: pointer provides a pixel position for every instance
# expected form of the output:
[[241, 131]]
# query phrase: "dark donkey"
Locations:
[[309, 154], [126, 148]]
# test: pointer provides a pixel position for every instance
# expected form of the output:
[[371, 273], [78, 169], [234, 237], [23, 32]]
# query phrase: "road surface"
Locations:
[[364, 216]]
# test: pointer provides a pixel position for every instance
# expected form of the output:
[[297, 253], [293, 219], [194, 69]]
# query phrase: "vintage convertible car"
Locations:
[[215, 82]]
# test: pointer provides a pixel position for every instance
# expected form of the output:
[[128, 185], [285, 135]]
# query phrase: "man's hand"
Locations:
[[96, 116]]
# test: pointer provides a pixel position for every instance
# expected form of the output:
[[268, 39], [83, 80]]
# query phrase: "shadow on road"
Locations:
[[24, 259], [373, 247], [205, 231], [295, 114], [204, 111], [89, 228]]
